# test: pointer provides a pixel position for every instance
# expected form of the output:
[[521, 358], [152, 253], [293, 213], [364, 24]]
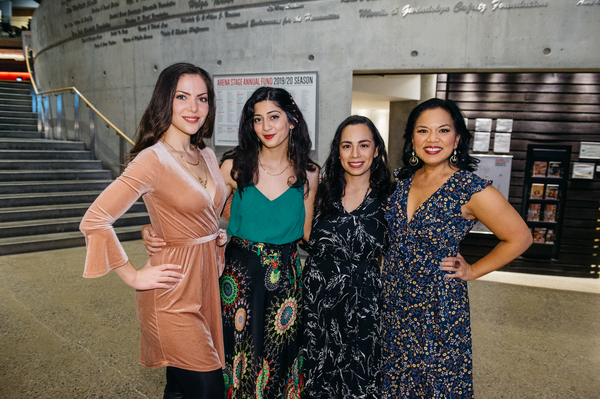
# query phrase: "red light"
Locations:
[[14, 76]]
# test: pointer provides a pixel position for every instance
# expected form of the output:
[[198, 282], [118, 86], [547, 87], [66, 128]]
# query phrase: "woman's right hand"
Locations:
[[150, 277], [152, 242], [162, 276]]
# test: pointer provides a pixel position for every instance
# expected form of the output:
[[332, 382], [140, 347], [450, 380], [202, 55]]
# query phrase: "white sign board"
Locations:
[[496, 168], [232, 91]]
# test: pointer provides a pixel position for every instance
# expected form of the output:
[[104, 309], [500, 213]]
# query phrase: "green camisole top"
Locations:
[[256, 218]]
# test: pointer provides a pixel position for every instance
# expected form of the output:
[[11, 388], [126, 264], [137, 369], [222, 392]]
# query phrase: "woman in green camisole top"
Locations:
[[271, 182], [274, 183]]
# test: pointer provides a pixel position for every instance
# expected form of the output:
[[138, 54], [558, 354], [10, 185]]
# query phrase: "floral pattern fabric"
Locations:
[[342, 303], [261, 303], [426, 323]]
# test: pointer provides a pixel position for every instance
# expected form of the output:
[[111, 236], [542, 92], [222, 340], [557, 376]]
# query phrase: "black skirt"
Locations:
[[261, 301]]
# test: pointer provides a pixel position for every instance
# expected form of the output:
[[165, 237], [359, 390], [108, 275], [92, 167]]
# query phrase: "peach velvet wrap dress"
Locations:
[[180, 326]]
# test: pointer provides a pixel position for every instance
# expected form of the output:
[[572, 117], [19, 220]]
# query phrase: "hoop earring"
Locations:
[[454, 158], [290, 145], [413, 161]]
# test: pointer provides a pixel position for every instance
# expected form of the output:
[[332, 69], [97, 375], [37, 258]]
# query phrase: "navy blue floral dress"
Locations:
[[426, 325]]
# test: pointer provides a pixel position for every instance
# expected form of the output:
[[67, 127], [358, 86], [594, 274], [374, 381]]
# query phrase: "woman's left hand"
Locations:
[[457, 268]]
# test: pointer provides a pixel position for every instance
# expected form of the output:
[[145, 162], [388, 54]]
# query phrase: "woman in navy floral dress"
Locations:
[[426, 326]]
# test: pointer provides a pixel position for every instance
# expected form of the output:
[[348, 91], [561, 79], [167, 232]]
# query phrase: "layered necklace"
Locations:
[[190, 164]]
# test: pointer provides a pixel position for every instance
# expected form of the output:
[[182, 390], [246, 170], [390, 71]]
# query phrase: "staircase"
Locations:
[[46, 185]]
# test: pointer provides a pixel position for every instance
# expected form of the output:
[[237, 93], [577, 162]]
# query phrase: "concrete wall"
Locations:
[[113, 51]]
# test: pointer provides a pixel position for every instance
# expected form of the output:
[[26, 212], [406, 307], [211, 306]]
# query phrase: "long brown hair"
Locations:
[[159, 114]]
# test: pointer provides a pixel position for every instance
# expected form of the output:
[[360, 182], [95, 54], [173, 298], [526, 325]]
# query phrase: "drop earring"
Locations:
[[454, 158], [413, 161], [290, 144]]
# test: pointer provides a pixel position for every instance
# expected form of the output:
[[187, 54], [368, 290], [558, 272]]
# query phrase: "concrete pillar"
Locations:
[[399, 111]]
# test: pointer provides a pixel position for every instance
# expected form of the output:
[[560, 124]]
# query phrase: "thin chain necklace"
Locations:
[[186, 161], [271, 174], [189, 165]]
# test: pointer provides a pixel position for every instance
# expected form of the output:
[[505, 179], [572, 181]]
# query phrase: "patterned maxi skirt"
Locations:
[[261, 302]]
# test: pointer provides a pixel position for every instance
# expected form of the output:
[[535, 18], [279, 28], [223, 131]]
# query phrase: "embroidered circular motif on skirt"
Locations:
[[286, 315], [295, 381], [228, 379], [239, 369], [240, 319], [272, 276], [229, 289], [262, 379]]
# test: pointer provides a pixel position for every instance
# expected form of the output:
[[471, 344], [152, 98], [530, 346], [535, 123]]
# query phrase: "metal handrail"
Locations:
[[73, 89]]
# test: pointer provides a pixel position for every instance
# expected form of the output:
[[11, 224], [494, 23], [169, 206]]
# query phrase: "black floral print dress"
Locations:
[[426, 324], [342, 303]]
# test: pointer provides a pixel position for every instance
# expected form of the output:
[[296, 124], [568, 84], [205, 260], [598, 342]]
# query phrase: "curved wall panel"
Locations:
[[112, 51]]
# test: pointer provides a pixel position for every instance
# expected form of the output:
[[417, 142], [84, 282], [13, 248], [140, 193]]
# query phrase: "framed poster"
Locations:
[[232, 91], [496, 168]]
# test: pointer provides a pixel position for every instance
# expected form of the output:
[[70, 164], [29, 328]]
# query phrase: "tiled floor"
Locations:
[[63, 336]]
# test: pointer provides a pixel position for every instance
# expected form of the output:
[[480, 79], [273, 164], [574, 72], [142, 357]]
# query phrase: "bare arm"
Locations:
[[230, 185], [309, 201], [494, 211]]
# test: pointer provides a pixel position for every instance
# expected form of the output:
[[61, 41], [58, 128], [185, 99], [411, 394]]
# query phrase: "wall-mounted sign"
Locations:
[[589, 150], [496, 168], [232, 91], [583, 170], [502, 142], [481, 142], [483, 125], [504, 125]]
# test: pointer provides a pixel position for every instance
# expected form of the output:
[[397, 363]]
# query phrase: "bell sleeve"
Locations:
[[104, 251]]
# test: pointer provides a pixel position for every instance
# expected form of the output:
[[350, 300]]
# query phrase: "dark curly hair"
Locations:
[[333, 184], [245, 156], [465, 161], [159, 114]]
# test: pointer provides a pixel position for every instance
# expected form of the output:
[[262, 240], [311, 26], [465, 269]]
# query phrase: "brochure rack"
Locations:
[[544, 197]]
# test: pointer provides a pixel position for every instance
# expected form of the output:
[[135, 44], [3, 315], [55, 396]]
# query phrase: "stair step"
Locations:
[[14, 127], [43, 154], [48, 176], [18, 102], [18, 121], [16, 114], [40, 144], [33, 199], [15, 85], [54, 211], [23, 135], [18, 95], [49, 226], [46, 242], [14, 187], [9, 164], [16, 107]]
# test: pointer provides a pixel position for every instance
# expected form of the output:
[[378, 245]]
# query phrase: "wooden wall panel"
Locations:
[[549, 109]]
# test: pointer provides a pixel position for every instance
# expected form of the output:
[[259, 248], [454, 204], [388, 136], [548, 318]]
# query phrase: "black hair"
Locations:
[[332, 186], [465, 161], [245, 155]]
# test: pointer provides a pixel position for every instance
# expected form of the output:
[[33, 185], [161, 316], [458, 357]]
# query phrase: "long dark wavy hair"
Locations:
[[159, 114], [333, 184], [245, 155], [465, 161]]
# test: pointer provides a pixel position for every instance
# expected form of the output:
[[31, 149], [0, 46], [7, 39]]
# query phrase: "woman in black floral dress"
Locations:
[[342, 285]]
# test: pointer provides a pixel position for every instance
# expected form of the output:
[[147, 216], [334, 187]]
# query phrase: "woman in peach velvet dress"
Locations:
[[177, 291]]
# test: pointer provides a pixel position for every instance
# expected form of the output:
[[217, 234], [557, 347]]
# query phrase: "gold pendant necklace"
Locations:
[[271, 174], [189, 165]]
